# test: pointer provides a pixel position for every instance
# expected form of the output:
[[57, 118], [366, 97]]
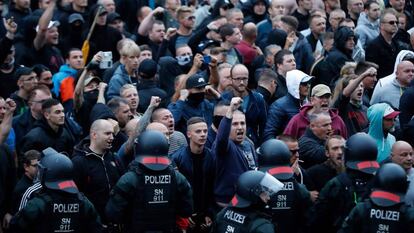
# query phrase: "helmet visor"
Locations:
[[270, 185]]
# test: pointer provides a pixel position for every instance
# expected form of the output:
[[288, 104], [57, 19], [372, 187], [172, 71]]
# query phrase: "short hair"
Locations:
[[268, 49], [267, 75], [183, 9], [156, 112], [312, 117], [129, 48], [338, 10], [145, 47], [39, 69], [368, 4], [291, 21], [195, 120], [47, 104], [328, 36], [280, 55], [121, 43], [346, 20], [314, 17], [230, 12], [67, 55], [362, 66], [223, 66], [338, 137], [126, 87], [116, 102], [40, 87], [226, 30], [159, 22], [386, 12], [286, 138], [30, 155]]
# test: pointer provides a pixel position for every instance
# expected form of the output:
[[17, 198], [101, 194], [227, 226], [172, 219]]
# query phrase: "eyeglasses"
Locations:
[[240, 79], [392, 22]]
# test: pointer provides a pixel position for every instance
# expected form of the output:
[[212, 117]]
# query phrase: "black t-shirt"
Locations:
[[198, 180], [8, 84], [355, 117], [51, 57]]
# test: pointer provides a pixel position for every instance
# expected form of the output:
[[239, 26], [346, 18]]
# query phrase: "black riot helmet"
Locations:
[[251, 185], [390, 185], [274, 157], [361, 153], [56, 171], [152, 150]]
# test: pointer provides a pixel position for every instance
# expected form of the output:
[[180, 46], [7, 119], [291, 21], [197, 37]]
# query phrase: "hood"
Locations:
[[341, 36], [293, 80], [68, 70], [81, 147], [398, 60], [42, 123], [363, 20], [375, 115]]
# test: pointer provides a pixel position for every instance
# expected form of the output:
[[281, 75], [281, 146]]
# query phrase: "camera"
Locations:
[[106, 60]]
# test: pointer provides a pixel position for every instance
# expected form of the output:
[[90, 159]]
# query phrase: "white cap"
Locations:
[[51, 24]]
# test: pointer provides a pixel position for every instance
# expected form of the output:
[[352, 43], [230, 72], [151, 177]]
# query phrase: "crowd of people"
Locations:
[[207, 115]]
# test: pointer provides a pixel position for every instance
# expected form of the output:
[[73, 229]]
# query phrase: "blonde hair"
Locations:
[[125, 87], [129, 48], [183, 9]]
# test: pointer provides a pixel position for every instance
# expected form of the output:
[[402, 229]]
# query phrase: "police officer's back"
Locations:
[[385, 210], [245, 211], [343, 192], [289, 207], [150, 196], [59, 207]]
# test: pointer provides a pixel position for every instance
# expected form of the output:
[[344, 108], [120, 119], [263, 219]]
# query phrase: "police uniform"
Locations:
[[343, 192], [150, 196], [245, 213], [60, 207], [385, 210], [289, 207]]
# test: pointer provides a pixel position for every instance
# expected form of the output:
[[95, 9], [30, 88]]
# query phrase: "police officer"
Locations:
[[385, 210], [150, 196], [245, 211], [289, 206], [59, 207], [343, 192]]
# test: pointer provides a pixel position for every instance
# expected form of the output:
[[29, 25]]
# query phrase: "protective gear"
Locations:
[[238, 220], [251, 185], [361, 153], [274, 157], [196, 98], [56, 171], [183, 60], [152, 150], [390, 185]]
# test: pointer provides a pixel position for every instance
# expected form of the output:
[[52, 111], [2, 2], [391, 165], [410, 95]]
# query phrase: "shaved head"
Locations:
[[99, 125], [402, 154], [159, 127]]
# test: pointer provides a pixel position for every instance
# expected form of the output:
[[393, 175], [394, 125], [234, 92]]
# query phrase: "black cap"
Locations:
[[195, 81], [147, 68], [23, 70], [75, 17], [112, 17]]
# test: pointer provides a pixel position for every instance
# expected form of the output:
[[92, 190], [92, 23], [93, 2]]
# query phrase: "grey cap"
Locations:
[[74, 17]]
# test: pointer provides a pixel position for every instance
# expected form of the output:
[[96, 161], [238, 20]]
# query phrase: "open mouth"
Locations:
[[239, 133], [359, 94]]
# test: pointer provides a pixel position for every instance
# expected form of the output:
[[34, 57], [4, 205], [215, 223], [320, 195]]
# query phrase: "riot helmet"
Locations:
[[361, 153], [250, 187], [274, 157], [390, 185], [56, 171], [152, 150]]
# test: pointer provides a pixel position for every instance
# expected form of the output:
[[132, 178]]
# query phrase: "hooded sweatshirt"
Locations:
[[388, 89], [366, 29], [384, 142], [283, 109]]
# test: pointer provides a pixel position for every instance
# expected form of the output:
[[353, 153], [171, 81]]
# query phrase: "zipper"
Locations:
[[106, 172]]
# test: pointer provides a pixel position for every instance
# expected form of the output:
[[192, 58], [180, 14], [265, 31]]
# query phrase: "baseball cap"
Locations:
[[390, 113], [321, 90], [23, 70], [112, 17], [75, 17], [306, 79], [195, 81], [147, 68], [51, 24], [91, 78]]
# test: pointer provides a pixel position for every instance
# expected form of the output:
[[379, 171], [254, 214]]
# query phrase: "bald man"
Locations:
[[247, 47], [390, 89], [95, 167], [402, 154], [159, 127]]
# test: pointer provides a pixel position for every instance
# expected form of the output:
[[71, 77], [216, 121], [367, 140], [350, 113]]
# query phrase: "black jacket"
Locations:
[[95, 175], [7, 179], [377, 50], [43, 136], [146, 89], [407, 105], [311, 149]]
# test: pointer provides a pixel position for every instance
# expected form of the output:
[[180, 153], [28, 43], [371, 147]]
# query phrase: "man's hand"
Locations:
[[155, 101], [314, 195], [10, 106], [97, 57], [369, 72], [290, 39], [235, 103], [10, 25], [198, 61], [6, 220], [170, 33], [158, 11], [207, 223], [184, 94], [213, 63], [102, 86]]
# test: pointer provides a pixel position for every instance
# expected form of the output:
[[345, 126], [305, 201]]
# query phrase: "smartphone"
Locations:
[[207, 59], [106, 62]]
